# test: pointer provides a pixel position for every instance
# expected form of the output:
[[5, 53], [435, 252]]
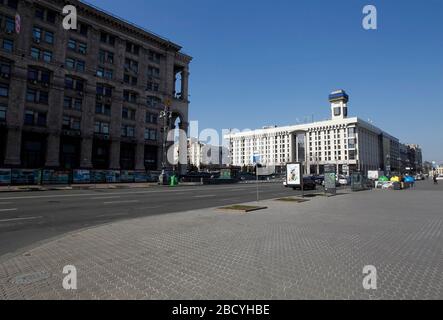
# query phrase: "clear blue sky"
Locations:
[[261, 63]]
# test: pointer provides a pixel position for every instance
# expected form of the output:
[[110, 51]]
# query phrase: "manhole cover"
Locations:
[[30, 278]]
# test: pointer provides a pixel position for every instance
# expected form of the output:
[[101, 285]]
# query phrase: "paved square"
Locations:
[[311, 250]]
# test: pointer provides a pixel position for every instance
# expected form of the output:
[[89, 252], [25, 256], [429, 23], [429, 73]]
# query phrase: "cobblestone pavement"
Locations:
[[312, 250]]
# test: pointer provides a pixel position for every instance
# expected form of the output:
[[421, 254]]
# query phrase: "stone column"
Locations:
[[53, 151], [13, 147], [86, 153], [183, 148], [185, 85], [114, 162], [140, 157]]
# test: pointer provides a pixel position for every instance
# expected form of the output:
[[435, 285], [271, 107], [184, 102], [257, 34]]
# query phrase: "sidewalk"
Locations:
[[75, 187], [311, 250]]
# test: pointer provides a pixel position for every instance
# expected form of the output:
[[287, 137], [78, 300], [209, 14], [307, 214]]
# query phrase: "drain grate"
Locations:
[[30, 278]]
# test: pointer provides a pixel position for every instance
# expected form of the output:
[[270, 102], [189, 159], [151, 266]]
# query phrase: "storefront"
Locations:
[[33, 152], [70, 152], [100, 154], [127, 156]]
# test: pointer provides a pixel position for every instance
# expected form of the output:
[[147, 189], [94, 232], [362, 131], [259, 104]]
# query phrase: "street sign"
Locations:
[[18, 23], [294, 174]]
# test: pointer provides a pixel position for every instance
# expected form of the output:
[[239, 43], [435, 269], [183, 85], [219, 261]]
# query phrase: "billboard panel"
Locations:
[[294, 174]]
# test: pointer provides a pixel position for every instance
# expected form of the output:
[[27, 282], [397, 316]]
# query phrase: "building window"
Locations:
[[132, 48], [153, 101], [128, 114], [77, 46], [128, 131], [130, 96], [131, 65], [105, 57], [72, 103], [154, 56], [152, 86], [104, 91], [101, 127], [45, 15], [130, 79], [75, 64], [74, 84], [151, 134], [105, 73], [37, 96], [71, 123], [47, 56], [102, 108], [107, 38], [3, 109], [35, 118], [9, 24], [4, 90], [8, 45], [151, 118], [10, 3], [154, 72]]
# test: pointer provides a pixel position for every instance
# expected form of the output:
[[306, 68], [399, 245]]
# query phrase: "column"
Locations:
[[185, 84], [114, 162], [53, 151], [13, 147], [183, 148], [140, 157], [86, 153]]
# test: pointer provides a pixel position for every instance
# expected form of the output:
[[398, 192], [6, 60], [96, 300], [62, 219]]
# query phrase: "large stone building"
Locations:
[[411, 158], [347, 142], [85, 98]]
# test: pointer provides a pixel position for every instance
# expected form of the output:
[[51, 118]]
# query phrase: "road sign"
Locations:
[[18, 23]]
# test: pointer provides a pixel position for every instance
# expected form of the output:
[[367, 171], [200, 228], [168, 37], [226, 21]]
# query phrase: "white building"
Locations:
[[349, 143], [203, 154]]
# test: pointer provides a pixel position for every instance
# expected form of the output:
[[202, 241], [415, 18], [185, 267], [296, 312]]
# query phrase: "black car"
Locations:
[[308, 184]]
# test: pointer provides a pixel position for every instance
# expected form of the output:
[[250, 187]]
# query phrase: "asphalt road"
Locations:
[[30, 217]]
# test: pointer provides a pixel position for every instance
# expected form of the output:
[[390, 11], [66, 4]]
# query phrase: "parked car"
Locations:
[[343, 180], [420, 177], [308, 184], [440, 177], [319, 179]]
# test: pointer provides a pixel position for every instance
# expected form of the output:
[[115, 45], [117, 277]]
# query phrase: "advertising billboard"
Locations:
[[294, 174]]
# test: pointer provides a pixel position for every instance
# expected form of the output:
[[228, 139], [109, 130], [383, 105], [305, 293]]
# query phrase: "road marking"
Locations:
[[205, 196], [122, 193], [104, 198], [20, 219], [8, 210], [124, 201], [5, 203], [144, 208]]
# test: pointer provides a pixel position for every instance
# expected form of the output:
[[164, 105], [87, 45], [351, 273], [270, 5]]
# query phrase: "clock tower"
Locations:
[[339, 108]]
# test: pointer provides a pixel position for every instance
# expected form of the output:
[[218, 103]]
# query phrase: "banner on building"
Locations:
[[55, 177], [127, 176], [140, 176], [82, 176], [5, 177], [25, 176], [112, 176]]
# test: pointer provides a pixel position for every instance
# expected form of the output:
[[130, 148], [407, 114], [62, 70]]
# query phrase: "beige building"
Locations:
[[85, 98], [349, 143]]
